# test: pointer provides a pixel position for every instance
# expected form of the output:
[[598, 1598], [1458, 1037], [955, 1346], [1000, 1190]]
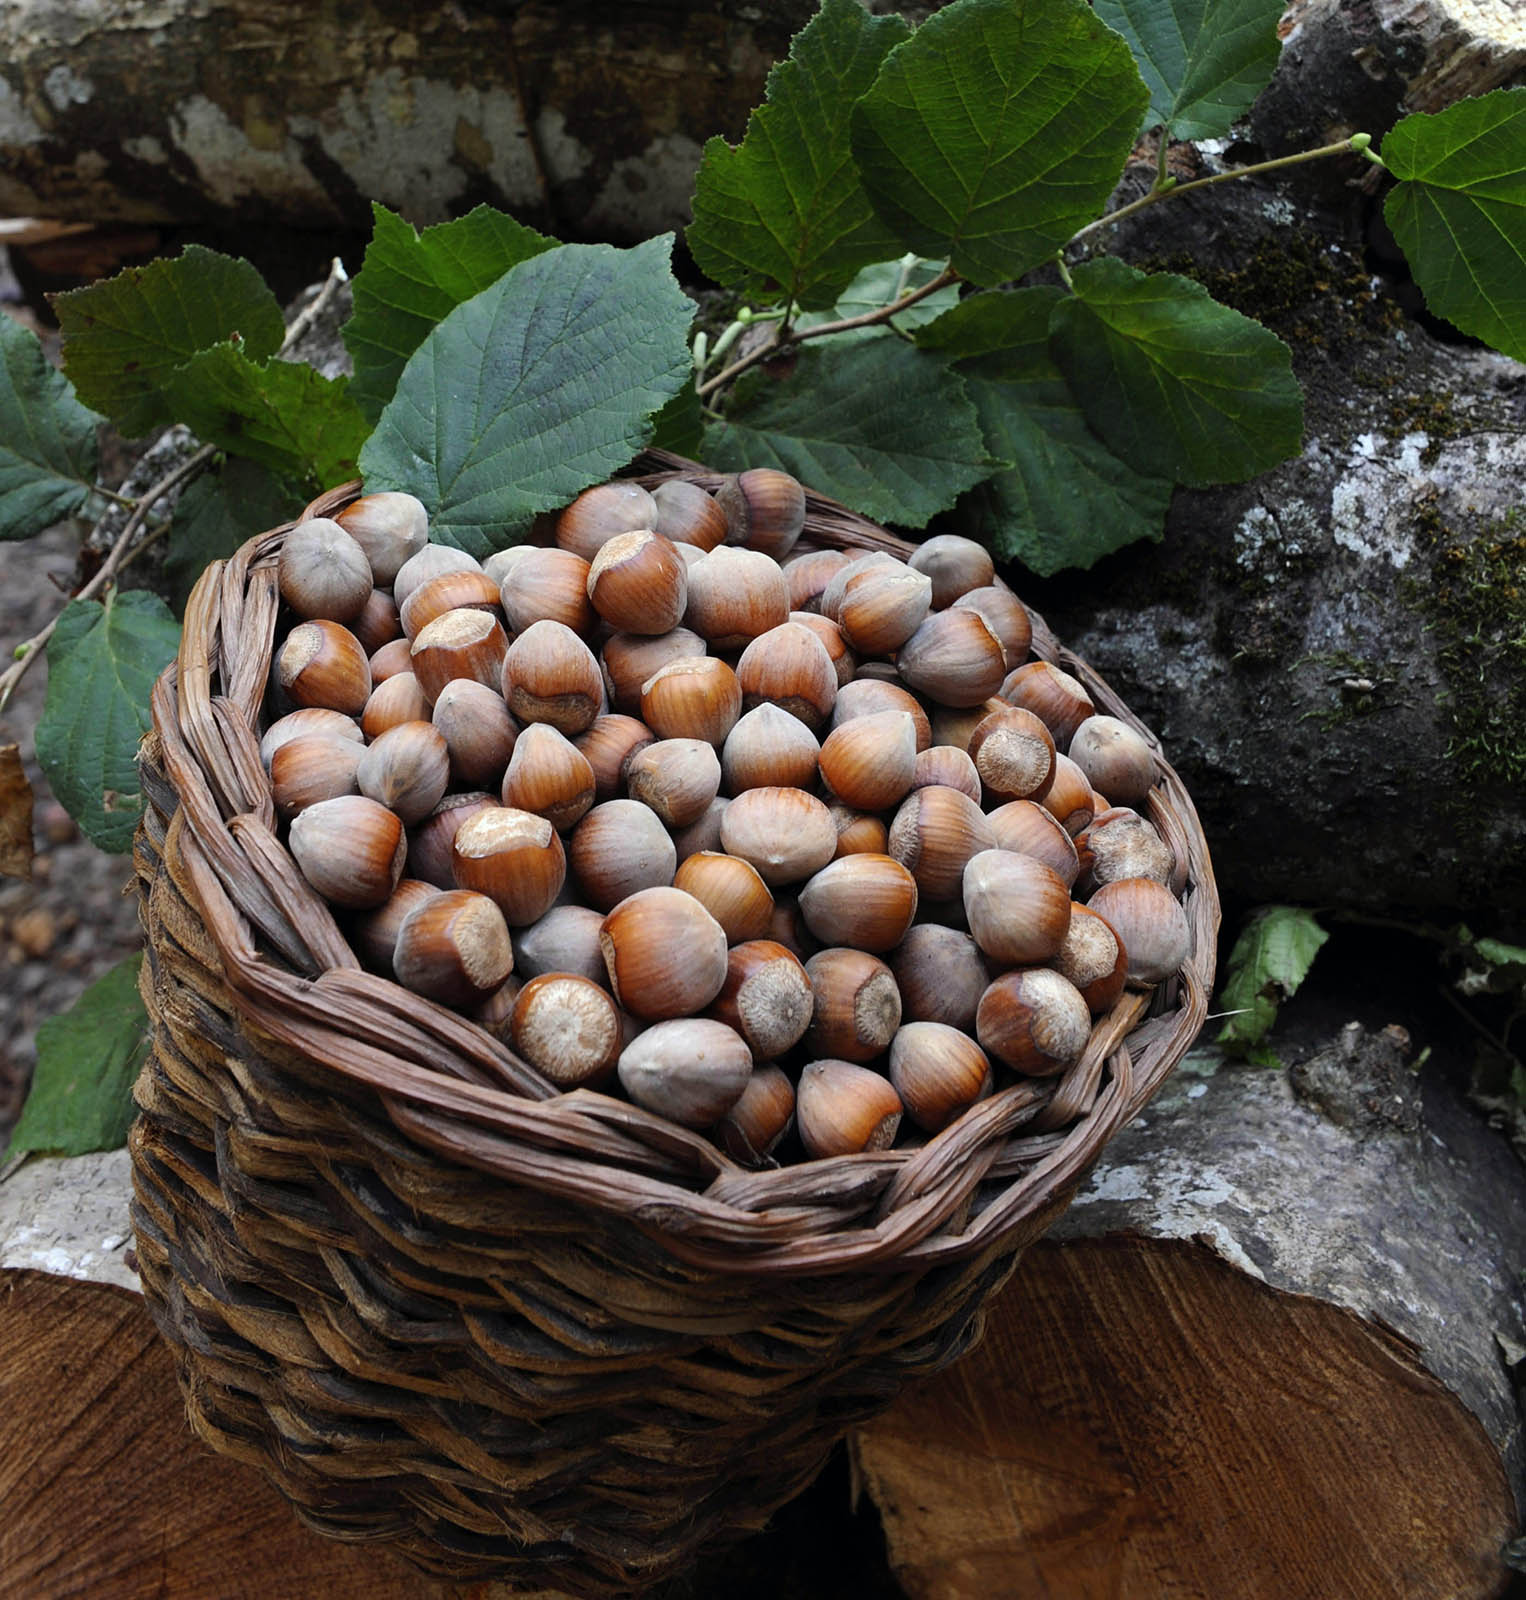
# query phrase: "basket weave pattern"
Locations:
[[548, 1337]]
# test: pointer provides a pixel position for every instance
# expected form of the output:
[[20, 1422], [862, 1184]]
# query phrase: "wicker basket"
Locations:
[[549, 1338]]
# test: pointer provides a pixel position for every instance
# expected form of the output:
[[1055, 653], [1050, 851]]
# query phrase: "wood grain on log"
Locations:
[[107, 1493], [1262, 1358]]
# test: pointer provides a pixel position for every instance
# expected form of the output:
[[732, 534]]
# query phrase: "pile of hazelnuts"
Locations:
[[762, 839]]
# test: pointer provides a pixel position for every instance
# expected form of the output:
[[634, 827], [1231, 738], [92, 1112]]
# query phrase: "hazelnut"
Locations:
[[941, 975], [693, 697], [730, 890], [858, 1007], [350, 849], [842, 1109], [1034, 1021], [1018, 908], [550, 675], [954, 565], [665, 953], [600, 513], [618, 849], [687, 515], [549, 776], [390, 527], [568, 1029], [406, 769], [938, 1072], [321, 664], [785, 833], [767, 997], [513, 857], [866, 901], [323, 572], [1150, 921], [547, 585], [453, 947], [764, 510], [691, 1071], [638, 583]]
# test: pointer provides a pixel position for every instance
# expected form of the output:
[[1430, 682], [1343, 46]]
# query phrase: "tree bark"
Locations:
[[1266, 1354], [232, 113]]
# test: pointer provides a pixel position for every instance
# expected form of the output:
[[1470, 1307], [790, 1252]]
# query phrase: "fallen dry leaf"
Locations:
[[15, 815]]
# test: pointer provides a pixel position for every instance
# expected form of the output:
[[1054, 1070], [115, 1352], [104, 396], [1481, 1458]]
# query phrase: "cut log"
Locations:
[[1266, 1356], [235, 113]]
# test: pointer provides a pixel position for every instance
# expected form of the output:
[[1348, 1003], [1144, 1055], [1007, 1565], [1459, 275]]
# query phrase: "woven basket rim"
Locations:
[[449, 1086]]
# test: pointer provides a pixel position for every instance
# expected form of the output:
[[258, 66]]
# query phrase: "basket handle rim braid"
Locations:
[[449, 1086]]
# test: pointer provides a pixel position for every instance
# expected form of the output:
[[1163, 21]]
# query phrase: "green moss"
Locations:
[[1300, 290], [1476, 603], [1357, 687], [1434, 415]]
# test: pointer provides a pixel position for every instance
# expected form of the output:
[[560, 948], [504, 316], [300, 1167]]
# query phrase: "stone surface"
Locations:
[[1334, 654]]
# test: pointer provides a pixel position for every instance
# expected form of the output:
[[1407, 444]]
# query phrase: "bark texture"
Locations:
[[1267, 1353], [231, 112]]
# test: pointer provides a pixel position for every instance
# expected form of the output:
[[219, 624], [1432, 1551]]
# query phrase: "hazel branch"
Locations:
[[867, 319], [1358, 144]]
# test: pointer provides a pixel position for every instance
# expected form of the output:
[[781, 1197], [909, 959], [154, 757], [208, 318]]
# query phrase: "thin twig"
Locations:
[[867, 319], [315, 308], [124, 550], [116, 558], [1355, 145]]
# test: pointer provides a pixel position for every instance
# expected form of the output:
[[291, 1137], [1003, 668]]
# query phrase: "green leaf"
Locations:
[[1270, 959], [125, 336], [102, 662], [541, 385], [997, 130], [217, 513], [1203, 61], [1177, 384], [47, 439], [281, 414], [1459, 213], [1068, 500], [88, 1058], [881, 285], [410, 282], [877, 425], [783, 216], [680, 425]]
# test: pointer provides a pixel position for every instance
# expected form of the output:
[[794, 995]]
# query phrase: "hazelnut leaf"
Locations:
[[997, 130], [1203, 61], [529, 392], [87, 1062], [1459, 213], [126, 336], [1271, 958], [283, 415], [1067, 500], [410, 282], [47, 438], [103, 659], [783, 216], [1175, 383], [876, 424]]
